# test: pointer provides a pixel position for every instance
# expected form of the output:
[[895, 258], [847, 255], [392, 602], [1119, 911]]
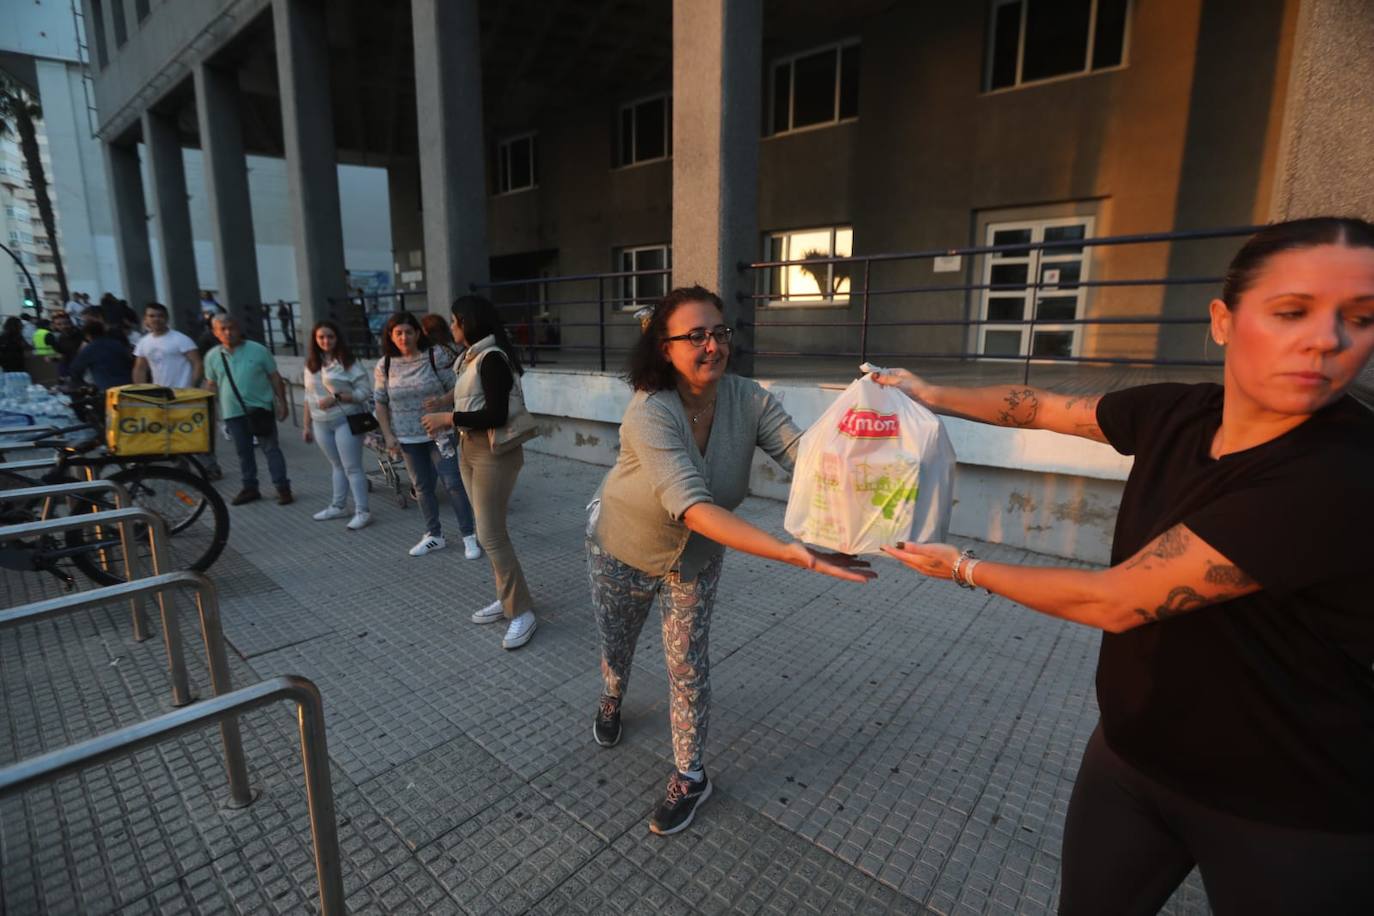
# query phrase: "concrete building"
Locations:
[[44, 46], [527, 141]]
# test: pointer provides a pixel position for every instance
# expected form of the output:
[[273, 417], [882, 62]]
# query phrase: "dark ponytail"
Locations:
[[1286, 236]]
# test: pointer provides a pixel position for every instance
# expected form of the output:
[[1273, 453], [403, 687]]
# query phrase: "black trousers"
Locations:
[[1130, 841]]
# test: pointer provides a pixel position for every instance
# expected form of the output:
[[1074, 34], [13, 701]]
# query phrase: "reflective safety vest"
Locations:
[[42, 343]]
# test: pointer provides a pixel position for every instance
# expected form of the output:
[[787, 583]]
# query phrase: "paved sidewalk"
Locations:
[[901, 747]]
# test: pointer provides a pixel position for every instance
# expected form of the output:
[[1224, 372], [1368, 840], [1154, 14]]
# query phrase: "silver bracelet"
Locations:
[[968, 572], [965, 554]]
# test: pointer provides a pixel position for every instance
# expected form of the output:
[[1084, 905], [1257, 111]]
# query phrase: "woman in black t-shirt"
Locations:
[[1236, 673]]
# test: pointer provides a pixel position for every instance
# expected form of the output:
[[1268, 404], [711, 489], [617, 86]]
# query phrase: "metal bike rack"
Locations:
[[121, 500], [212, 633], [314, 755], [157, 539], [28, 464]]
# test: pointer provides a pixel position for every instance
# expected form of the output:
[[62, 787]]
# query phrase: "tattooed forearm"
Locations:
[[1168, 546], [1227, 575], [1021, 407], [1181, 600]]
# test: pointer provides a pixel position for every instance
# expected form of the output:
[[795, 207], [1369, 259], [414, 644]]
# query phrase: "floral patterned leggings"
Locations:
[[622, 597]]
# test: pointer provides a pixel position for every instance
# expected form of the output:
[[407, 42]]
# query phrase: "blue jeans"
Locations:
[[345, 453], [248, 464], [427, 468]]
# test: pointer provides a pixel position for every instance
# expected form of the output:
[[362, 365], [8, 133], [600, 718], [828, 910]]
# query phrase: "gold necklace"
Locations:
[[701, 413]]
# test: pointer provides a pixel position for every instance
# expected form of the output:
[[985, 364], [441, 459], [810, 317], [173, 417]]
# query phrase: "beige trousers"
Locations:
[[489, 479]]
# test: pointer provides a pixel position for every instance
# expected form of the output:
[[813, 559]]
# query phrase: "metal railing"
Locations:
[[157, 539], [276, 324], [314, 756], [132, 566], [859, 269], [212, 634]]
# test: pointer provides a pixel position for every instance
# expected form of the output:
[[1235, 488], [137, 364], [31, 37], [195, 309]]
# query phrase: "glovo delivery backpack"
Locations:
[[876, 468], [153, 420]]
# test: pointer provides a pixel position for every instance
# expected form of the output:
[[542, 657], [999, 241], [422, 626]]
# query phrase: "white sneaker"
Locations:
[[428, 544], [489, 614], [359, 520], [471, 549], [329, 512], [520, 631]]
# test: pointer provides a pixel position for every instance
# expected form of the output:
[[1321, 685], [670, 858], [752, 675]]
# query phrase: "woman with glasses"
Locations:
[[662, 519]]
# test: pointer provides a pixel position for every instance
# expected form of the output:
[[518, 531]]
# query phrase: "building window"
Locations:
[[1012, 293], [141, 9], [517, 164], [820, 86], [648, 288], [121, 31], [644, 131], [819, 282], [1034, 40]]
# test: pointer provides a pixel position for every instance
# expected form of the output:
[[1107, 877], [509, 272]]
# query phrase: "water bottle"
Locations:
[[445, 446]]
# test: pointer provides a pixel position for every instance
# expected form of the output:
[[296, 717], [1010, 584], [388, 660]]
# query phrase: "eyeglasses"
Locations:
[[697, 336]]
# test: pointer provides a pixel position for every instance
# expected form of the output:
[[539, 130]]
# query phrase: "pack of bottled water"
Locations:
[[22, 403]]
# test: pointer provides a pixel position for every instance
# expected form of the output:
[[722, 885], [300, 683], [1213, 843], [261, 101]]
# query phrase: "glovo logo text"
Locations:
[[867, 423], [139, 425]]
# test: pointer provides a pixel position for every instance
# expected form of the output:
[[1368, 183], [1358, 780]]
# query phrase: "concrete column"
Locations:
[[312, 173], [131, 223], [1326, 150], [176, 245], [226, 191], [717, 45], [448, 101]]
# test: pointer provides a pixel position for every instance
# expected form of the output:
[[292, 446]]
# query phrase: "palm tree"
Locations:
[[18, 110]]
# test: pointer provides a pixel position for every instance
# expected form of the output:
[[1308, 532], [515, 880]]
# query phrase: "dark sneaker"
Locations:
[[246, 495], [284, 497], [606, 729], [675, 812]]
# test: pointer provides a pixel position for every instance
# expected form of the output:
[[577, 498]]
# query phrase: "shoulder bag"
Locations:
[[261, 422], [520, 426], [359, 424]]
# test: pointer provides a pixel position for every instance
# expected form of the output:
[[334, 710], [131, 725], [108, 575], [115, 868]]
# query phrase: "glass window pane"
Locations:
[[1065, 233], [782, 94], [627, 149], [1006, 33], [650, 121], [520, 176], [627, 261], [1057, 308], [1002, 343], [650, 259], [1011, 237], [653, 287], [1052, 343], [1010, 273], [849, 82], [1005, 309], [502, 168], [1056, 38], [1060, 274], [844, 243], [813, 100], [1110, 37]]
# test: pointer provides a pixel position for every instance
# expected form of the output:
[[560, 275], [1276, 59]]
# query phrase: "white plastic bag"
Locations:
[[876, 468]]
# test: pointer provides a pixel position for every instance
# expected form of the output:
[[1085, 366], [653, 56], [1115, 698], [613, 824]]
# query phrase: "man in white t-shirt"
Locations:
[[171, 355]]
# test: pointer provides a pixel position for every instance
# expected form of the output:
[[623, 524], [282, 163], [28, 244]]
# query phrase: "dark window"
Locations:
[[644, 131], [644, 289], [1056, 38], [120, 30], [1110, 34], [1057, 308], [819, 87], [813, 100], [849, 82], [95, 31], [141, 9], [782, 96], [1033, 40], [627, 136], [517, 164], [1052, 344]]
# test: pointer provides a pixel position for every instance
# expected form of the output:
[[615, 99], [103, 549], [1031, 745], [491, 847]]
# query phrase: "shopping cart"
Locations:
[[390, 474]]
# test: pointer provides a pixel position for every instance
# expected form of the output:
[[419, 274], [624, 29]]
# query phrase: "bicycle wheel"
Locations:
[[196, 517]]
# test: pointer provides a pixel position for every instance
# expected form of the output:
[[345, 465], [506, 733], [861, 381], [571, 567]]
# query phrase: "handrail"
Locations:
[[212, 633], [314, 756], [29, 464], [121, 500], [157, 540]]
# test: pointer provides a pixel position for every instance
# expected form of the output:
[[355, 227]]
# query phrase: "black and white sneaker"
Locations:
[[675, 812], [606, 728]]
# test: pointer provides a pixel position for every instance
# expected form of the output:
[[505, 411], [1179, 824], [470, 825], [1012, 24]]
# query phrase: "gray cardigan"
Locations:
[[661, 473]]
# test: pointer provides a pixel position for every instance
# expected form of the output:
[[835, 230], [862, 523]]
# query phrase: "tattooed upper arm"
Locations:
[[1073, 415], [1175, 573]]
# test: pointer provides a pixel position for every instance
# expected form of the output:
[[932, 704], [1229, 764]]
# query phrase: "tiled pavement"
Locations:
[[899, 747]]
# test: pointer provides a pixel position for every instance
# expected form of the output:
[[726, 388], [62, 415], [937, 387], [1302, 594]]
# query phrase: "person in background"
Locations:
[[1235, 679], [66, 342], [336, 386], [74, 307], [42, 339], [436, 329], [482, 402], [246, 365], [164, 356], [209, 308], [286, 319], [411, 378], [106, 356], [13, 347]]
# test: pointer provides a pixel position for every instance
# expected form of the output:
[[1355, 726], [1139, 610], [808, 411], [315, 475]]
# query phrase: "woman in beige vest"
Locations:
[[487, 406]]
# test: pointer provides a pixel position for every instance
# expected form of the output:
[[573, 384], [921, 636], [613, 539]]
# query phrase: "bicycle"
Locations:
[[196, 516]]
